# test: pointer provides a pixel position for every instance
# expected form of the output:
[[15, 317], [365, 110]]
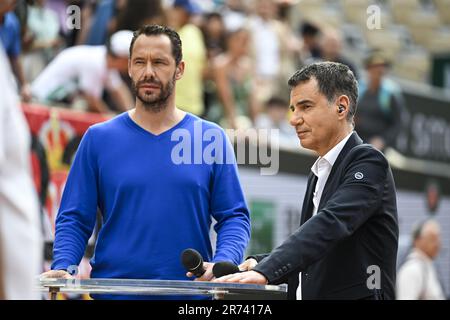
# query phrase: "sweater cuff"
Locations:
[[62, 265]]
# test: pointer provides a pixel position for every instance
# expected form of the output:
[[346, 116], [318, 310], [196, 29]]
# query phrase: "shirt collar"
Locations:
[[331, 156]]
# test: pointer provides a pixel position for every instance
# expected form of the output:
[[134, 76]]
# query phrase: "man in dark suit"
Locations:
[[346, 245]]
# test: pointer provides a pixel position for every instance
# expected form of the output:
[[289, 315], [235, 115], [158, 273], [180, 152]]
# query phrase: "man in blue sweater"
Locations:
[[158, 175]]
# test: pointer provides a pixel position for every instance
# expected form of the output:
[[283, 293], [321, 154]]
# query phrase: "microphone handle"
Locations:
[[198, 273], [199, 270]]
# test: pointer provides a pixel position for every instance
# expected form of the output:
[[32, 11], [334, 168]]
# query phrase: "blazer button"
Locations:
[[277, 273], [289, 265], [285, 269]]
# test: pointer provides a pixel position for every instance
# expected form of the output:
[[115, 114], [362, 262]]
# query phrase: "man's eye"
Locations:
[[292, 108]]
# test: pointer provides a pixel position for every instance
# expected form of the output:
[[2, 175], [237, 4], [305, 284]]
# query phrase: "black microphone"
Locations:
[[224, 268], [193, 262]]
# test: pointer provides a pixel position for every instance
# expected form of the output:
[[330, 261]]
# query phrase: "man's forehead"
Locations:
[[304, 90], [153, 42]]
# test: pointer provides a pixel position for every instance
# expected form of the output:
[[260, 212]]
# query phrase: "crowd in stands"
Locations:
[[239, 55]]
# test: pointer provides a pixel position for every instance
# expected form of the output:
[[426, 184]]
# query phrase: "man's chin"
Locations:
[[155, 105], [304, 143], [147, 99], [144, 92]]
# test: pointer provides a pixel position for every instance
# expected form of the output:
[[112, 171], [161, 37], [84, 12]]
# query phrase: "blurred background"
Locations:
[[239, 56]]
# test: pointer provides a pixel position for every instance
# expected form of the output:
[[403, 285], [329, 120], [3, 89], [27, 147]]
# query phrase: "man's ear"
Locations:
[[179, 71], [343, 106]]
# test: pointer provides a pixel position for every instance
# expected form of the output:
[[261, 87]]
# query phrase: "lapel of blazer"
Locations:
[[308, 206], [352, 142]]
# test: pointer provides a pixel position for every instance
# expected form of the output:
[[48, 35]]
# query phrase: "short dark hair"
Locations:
[[156, 30], [333, 79], [309, 29], [276, 102], [417, 231]]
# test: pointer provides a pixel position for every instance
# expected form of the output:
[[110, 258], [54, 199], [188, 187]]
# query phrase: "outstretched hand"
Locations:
[[243, 277]]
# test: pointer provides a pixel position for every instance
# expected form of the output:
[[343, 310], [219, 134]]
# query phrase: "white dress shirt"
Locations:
[[417, 279], [322, 169]]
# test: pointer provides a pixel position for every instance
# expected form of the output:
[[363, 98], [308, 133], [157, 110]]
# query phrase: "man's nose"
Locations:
[[295, 119], [149, 72]]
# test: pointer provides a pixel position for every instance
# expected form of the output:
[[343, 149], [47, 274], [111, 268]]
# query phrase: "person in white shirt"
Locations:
[[417, 278], [86, 71], [42, 37], [20, 232], [265, 49]]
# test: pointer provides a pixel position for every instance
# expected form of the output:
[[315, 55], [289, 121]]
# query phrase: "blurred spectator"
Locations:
[[21, 12], [380, 104], [43, 32], [99, 29], [112, 15], [214, 36], [276, 117], [273, 47], [84, 71], [189, 94], [289, 47], [60, 8], [234, 14], [233, 74], [417, 278], [331, 49], [20, 235], [136, 13], [266, 48], [310, 48], [10, 36], [88, 8]]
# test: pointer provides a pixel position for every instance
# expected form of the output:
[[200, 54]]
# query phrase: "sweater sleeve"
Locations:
[[77, 213], [229, 209]]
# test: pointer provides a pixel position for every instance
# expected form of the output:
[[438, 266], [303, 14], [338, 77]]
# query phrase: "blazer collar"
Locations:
[[352, 142], [307, 207]]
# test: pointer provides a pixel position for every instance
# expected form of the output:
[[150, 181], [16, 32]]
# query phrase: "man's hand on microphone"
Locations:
[[243, 277], [207, 276], [248, 264]]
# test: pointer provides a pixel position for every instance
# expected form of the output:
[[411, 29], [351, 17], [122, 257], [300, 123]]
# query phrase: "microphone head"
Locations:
[[224, 268], [191, 259]]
